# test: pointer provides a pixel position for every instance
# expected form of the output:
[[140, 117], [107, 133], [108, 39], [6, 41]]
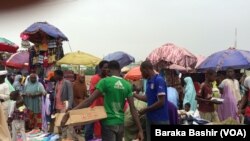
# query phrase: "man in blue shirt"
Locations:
[[156, 98]]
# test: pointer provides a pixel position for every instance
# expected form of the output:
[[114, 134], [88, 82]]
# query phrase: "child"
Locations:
[[186, 113], [18, 117]]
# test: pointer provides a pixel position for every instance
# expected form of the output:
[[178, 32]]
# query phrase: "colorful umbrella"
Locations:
[[18, 60], [8, 46], [123, 58], [79, 58], [133, 74], [172, 54], [230, 58], [38, 30]]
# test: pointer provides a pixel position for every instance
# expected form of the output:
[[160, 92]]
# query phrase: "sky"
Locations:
[[137, 27]]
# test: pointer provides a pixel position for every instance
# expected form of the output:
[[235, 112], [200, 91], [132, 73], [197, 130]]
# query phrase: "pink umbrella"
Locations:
[[172, 54], [18, 60], [179, 68]]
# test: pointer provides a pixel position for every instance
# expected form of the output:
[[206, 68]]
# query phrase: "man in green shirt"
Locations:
[[115, 91]]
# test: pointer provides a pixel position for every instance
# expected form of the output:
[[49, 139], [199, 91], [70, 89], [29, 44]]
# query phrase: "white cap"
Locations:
[[3, 72]]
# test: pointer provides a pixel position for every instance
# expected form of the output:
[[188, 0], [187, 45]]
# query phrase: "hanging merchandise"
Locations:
[[45, 60], [25, 44], [52, 44], [47, 48]]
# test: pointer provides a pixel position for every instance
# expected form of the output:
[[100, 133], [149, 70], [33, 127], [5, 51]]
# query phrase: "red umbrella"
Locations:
[[7, 46], [172, 54], [134, 74], [18, 60]]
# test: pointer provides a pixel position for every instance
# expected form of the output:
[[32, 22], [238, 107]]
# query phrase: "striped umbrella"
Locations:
[[7, 46], [18, 60], [171, 54]]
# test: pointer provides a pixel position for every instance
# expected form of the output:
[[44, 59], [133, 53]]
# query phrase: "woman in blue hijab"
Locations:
[[190, 94]]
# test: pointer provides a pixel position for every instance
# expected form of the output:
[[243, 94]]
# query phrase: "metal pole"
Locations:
[[235, 42]]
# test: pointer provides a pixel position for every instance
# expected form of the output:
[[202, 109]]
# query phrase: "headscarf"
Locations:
[[34, 104], [173, 96], [17, 85], [190, 94]]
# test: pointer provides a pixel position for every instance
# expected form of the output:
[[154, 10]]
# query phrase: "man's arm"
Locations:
[[89, 100], [161, 101], [70, 95], [140, 97], [242, 104], [84, 104], [135, 116], [6, 95], [202, 99]]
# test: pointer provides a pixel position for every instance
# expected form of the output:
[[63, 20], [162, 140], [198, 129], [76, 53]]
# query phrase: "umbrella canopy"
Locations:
[[200, 59], [172, 54], [79, 58], [38, 30], [133, 74], [8, 46], [18, 60], [179, 68], [237, 59], [123, 58]]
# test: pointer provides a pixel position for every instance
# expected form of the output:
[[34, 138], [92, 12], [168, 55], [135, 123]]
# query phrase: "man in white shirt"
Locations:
[[4, 93]]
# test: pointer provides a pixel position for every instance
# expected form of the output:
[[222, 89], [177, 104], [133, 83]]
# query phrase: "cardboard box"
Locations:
[[58, 119], [82, 116]]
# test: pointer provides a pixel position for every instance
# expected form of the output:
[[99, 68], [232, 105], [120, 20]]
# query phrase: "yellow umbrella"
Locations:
[[79, 58]]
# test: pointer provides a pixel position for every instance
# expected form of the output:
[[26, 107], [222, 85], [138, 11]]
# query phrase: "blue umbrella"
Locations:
[[237, 59], [123, 58], [37, 30]]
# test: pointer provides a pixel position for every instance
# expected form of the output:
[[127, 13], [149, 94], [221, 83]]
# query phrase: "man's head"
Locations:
[[58, 75], [3, 74], [114, 67], [103, 67], [187, 107], [33, 78], [211, 75], [14, 95], [81, 78], [230, 73], [147, 69]]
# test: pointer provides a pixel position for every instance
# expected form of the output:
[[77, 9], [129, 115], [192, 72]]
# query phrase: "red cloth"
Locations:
[[35, 120], [94, 80], [197, 87], [126, 105], [247, 111], [98, 102], [205, 93]]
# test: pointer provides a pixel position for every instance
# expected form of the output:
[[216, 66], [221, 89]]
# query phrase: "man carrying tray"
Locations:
[[206, 105]]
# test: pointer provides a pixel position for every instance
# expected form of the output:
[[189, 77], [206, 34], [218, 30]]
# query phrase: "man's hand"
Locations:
[[142, 112], [9, 120], [240, 111], [65, 119], [140, 136]]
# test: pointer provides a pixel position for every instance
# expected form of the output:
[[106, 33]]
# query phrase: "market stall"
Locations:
[[47, 46]]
